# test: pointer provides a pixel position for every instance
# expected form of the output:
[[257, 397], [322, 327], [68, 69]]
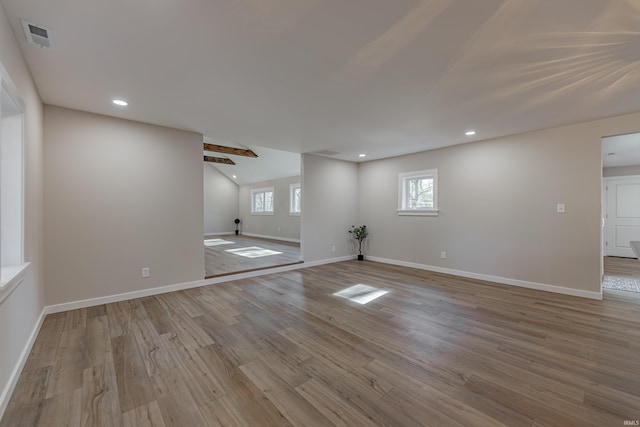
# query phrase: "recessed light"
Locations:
[[362, 155], [234, 177], [470, 132], [120, 102]]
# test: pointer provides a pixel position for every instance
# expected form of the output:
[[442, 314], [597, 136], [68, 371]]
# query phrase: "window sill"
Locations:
[[262, 213], [432, 212], [294, 213], [10, 279]]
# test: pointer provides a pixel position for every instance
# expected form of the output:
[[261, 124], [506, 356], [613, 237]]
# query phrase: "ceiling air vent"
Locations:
[[326, 152], [37, 34]]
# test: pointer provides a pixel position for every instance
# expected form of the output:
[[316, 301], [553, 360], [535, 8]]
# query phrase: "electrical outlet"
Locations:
[[146, 272], [333, 248], [443, 255], [560, 208]]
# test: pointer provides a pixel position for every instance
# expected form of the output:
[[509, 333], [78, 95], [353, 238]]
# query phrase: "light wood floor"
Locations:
[[622, 267], [282, 350], [219, 262]]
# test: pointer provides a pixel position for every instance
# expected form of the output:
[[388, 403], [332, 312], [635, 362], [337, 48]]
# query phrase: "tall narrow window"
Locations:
[[295, 199], [262, 201], [11, 192], [418, 193]]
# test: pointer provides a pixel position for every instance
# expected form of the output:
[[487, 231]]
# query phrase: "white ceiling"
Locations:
[[270, 164], [380, 77], [621, 150]]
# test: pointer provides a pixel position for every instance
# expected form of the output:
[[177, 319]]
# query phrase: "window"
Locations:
[[262, 201], [11, 191], [295, 199], [418, 193]]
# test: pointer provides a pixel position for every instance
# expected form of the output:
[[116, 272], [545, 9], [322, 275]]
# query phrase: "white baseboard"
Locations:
[[264, 236], [15, 375], [91, 302], [328, 261], [496, 279], [219, 233]]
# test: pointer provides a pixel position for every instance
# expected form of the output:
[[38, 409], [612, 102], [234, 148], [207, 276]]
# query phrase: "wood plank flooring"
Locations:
[[219, 262], [282, 350], [622, 267]]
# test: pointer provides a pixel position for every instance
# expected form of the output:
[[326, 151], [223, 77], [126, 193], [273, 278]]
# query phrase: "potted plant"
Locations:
[[359, 233], [237, 221]]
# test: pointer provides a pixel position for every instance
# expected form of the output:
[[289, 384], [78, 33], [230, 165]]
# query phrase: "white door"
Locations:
[[623, 215]]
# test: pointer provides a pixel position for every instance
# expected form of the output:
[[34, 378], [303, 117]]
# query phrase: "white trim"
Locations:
[[402, 195], [11, 277], [264, 236], [273, 200], [15, 374], [606, 223], [73, 305], [220, 233], [495, 279], [418, 212], [57, 308], [328, 261], [292, 187]]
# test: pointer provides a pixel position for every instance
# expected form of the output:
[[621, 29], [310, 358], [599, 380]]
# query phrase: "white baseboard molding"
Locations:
[[15, 374], [328, 261], [496, 279], [219, 233], [91, 302], [264, 236]]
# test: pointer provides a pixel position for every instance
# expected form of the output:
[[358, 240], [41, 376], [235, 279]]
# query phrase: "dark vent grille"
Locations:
[[38, 31]]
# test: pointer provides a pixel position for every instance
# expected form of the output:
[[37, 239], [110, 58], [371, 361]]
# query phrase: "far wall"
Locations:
[[220, 202], [621, 171], [497, 202], [281, 225]]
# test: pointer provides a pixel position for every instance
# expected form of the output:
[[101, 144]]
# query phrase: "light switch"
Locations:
[[560, 208]]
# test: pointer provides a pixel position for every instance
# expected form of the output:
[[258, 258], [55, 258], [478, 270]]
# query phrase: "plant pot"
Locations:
[[237, 232], [360, 257]]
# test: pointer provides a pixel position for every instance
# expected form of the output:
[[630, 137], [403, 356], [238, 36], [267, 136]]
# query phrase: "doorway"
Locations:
[[621, 211]]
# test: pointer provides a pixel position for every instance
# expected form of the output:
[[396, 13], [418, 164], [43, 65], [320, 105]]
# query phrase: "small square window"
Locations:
[[418, 193]]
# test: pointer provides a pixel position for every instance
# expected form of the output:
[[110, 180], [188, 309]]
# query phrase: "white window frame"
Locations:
[[253, 198], [12, 262], [292, 189], [403, 182]]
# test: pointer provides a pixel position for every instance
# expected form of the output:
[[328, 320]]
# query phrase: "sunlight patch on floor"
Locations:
[[216, 242], [253, 252], [362, 294]]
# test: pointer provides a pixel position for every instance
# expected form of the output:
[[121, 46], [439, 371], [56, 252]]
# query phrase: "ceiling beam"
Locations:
[[219, 160], [229, 150]]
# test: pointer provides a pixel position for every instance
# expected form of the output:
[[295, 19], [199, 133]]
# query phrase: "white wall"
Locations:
[[20, 312], [621, 171], [280, 225], [498, 206], [329, 207], [220, 201], [119, 195]]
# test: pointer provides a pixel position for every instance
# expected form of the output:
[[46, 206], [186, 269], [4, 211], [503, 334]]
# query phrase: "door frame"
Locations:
[[606, 226]]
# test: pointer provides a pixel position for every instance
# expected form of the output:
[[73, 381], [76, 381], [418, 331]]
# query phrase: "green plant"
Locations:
[[359, 233]]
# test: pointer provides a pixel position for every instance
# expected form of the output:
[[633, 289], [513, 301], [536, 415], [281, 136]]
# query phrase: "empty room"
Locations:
[[309, 212]]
